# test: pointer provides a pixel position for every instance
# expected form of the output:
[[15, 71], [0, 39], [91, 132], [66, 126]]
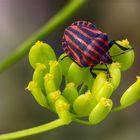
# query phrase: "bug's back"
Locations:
[[84, 43]]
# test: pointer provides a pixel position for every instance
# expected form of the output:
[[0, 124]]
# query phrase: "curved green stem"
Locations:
[[44, 31], [81, 121], [119, 108], [32, 131], [82, 88]]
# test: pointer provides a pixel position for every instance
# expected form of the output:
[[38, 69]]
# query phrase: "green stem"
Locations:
[[44, 31], [32, 131], [81, 121], [82, 88], [119, 108], [66, 80]]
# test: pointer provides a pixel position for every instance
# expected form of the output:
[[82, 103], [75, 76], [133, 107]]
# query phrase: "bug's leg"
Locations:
[[121, 47], [119, 53], [64, 57], [92, 73], [100, 69], [108, 73]]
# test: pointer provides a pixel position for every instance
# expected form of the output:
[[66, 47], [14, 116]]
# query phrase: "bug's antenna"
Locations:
[[64, 57], [108, 73], [121, 47]]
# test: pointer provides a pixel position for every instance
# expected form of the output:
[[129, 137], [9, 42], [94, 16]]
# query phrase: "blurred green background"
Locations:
[[18, 110]]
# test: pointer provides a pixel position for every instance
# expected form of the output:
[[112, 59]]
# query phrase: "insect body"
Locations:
[[86, 45]]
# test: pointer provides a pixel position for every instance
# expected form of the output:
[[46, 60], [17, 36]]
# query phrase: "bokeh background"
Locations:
[[18, 110]]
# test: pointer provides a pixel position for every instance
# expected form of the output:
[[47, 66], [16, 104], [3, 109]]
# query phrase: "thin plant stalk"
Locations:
[[43, 32], [32, 131]]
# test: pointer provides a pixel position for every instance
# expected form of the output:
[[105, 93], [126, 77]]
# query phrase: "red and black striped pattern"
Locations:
[[85, 44]]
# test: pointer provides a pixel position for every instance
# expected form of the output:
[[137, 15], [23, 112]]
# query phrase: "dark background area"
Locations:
[[18, 110]]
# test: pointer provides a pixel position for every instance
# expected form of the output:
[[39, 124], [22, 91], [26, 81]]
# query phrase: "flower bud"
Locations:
[[41, 53], [115, 74], [38, 75], [127, 59], [52, 97], [62, 108], [49, 83], [77, 74], [89, 81], [70, 92], [100, 111], [132, 94], [105, 91], [65, 64], [84, 103], [37, 93], [99, 81], [55, 69]]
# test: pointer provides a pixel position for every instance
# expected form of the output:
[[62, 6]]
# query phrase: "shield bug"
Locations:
[[86, 45]]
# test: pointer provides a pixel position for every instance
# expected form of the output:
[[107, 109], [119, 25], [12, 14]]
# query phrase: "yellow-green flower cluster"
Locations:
[[69, 90]]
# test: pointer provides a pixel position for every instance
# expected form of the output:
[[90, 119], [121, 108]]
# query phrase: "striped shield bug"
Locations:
[[87, 46]]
